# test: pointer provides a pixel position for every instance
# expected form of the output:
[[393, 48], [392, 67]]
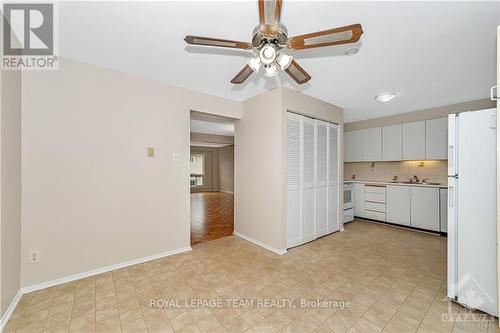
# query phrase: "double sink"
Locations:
[[414, 182]]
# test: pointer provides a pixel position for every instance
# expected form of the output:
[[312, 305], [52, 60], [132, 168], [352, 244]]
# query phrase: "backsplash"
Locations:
[[431, 171]]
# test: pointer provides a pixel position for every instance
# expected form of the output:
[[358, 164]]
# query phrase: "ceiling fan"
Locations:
[[271, 36]]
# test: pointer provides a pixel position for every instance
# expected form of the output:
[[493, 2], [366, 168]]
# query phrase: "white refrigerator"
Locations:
[[472, 252]]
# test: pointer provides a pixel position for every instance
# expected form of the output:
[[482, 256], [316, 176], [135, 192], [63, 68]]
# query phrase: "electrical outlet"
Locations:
[[34, 257]]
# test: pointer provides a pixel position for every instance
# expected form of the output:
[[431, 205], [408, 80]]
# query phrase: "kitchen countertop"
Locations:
[[375, 182]]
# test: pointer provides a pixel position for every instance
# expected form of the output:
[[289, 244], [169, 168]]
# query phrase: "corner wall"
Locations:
[[258, 197], [260, 162], [10, 194], [91, 196]]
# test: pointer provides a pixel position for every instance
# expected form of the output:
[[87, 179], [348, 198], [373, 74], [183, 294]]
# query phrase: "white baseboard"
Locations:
[[256, 242], [82, 275], [226, 192], [10, 310]]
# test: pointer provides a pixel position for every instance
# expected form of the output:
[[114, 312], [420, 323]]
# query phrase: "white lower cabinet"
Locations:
[[398, 205], [425, 208], [405, 205], [359, 200]]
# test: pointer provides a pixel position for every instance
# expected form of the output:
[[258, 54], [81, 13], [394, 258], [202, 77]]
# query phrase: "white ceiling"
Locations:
[[431, 53]]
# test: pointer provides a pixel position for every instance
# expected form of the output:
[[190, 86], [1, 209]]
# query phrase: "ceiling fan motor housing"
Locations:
[[260, 38]]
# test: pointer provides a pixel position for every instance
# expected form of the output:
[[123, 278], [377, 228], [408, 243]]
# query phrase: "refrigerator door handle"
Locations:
[[493, 93], [451, 157], [450, 196]]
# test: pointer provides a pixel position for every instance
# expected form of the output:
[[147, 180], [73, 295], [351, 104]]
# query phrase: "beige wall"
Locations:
[[260, 161], [258, 197], [432, 171], [226, 169], [91, 197], [432, 113], [10, 194]]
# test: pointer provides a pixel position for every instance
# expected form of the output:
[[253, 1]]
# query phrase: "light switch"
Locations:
[[151, 152], [176, 157]]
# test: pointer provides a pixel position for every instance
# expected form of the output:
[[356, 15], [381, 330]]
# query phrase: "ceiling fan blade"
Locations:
[[208, 41], [269, 16], [242, 75], [342, 35], [297, 73]]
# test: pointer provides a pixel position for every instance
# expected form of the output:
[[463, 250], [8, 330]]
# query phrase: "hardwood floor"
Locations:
[[211, 216]]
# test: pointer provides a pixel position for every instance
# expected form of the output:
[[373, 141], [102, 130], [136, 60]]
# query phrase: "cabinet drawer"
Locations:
[[375, 189], [378, 207], [375, 197], [369, 214]]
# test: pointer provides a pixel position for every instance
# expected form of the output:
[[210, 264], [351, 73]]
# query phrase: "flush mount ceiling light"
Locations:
[[385, 97]]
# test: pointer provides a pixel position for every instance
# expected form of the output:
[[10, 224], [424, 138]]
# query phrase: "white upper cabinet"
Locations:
[[418, 140], [436, 139], [353, 146], [414, 140], [372, 144], [392, 139]]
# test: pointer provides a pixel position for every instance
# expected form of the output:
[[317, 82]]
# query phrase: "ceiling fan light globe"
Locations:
[[270, 70], [284, 61], [267, 55], [254, 64]]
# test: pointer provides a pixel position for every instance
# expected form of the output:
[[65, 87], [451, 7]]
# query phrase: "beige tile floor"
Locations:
[[395, 279]]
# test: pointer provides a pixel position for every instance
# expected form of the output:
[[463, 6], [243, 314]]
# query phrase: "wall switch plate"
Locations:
[[34, 257], [151, 152], [176, 157]]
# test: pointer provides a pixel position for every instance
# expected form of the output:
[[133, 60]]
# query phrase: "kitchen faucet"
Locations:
[[415, 178]]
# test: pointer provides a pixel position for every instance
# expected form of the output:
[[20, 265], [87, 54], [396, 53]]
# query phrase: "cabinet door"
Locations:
[[294, 134], [398, 205], [321, 177], [353, 146], [372, 144], [333, 178], [359, 200], [436, 139], [425, 208], [308, 206], [392, 143], [414, 140]]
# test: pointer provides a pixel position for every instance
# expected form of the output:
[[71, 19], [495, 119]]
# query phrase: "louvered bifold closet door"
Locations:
[[308, 178], [333, 178], [294, 182], [321, 178]]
